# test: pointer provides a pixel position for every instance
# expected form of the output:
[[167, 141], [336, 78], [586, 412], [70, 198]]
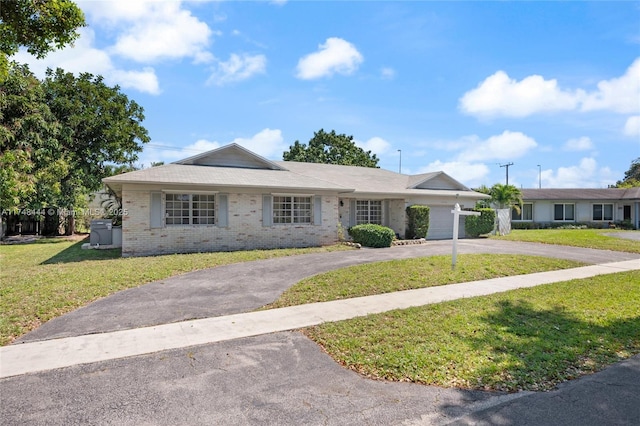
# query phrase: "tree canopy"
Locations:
[[59, 137], [99, 126], [631, 176], [331, 148], [39, 25]]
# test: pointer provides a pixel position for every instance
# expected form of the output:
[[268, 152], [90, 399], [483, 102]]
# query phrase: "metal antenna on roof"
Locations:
[[507, 166]]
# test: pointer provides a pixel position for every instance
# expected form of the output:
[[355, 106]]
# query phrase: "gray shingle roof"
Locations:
[[581, 194], [181, 174], [217, 169]]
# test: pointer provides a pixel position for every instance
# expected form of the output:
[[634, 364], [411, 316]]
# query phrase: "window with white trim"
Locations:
[[602, 212], [368, 211], [564, 212], [291, 209], [525, 214], [190, 209]]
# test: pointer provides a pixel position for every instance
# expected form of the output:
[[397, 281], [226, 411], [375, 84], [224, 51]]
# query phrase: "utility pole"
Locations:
[[507, 166], [400, 165], [539, 177]]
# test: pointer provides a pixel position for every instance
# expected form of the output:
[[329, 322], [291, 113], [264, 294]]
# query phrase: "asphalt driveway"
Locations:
[[283, 378], [247, 286]]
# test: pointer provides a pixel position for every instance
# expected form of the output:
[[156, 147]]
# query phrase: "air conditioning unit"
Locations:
[[101, 232]]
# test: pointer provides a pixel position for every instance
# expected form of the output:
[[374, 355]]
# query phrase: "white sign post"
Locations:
[[456, 219]]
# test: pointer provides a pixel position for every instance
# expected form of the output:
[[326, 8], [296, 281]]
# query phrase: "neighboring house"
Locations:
[[233, 199], [599, 207]]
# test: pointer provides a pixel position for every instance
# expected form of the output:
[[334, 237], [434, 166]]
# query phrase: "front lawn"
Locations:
[[589, 238], [405, 274], [43, 280], [528, 339]]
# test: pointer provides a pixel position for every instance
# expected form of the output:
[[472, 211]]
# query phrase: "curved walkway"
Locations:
[[245, 287]]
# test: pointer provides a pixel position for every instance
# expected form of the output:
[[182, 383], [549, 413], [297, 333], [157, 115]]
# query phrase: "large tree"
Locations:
[[39, 25], [631, 176], [31, 160], [99, 126], [331, 148]]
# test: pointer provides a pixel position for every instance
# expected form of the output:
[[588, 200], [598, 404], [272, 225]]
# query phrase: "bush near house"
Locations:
[[475, 226], [370, 235], [418, 225]]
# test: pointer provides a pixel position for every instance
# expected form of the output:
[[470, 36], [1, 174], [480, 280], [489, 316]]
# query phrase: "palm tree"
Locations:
[[506, 196]]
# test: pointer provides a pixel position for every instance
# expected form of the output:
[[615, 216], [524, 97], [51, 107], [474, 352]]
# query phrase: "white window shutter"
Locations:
[[385, 213], [267, 213], [352, 212], [317, 210], [155, 209], [223, 210]]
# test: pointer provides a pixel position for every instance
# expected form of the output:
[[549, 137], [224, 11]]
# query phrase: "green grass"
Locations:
[[43, 280], [529, 339], [396, 275], [589, 238]]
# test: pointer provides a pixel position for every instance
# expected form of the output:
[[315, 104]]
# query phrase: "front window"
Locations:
[[289, 209], [368, 211], [189, 209], [564, 212], [526, 212], [603, 212]]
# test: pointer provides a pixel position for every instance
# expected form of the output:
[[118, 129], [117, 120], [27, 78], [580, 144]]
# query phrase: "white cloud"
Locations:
[[267, 143], [376, 145], [583, 143], [621, 95], [334, 56], [500, 95], [506, 146], [237, 68], [632, 126], [587, 174], [84, 57], [387, 73], [470, 174], [152, 31]]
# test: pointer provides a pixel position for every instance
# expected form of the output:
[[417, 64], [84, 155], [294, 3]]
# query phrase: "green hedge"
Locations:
[[370, 235], [475, 226], [418, 225]]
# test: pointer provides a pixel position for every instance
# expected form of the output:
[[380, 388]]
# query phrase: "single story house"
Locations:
[[584, 205], [233, 199]]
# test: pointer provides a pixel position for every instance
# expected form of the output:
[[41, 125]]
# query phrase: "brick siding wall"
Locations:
[[244, 230]]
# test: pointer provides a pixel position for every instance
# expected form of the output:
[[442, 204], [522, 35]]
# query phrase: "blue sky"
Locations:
[[456, 86]]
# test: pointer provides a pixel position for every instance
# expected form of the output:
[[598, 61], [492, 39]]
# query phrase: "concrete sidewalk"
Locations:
[[52, 354]]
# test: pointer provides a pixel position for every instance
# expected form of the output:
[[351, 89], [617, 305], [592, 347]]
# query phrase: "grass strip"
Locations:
[[46, 279], [406, 274], [527, 339], [588, 238]]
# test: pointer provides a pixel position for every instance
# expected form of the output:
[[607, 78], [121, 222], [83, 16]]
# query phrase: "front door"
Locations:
[[626, 214]]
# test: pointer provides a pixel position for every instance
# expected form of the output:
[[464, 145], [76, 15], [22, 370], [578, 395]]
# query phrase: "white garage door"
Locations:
[[441, 223]]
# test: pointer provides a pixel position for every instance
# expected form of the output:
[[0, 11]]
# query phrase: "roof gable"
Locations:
[[435, 180], [232, 155]]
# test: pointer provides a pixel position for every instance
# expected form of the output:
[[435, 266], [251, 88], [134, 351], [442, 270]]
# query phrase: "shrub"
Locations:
[[370, 235], [418, 225], [478, 225]]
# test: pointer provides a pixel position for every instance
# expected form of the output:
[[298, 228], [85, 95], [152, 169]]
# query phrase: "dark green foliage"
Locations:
[[370, 235], [475, 226], [40, 26], [331, 148], [631, 176], [418, 225]]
